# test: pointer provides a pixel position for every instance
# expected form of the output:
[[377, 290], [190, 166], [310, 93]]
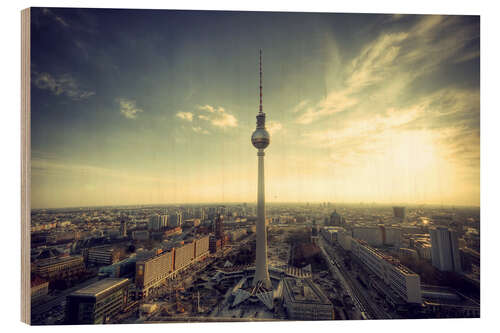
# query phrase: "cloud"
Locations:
[[128, 108], [333, 103], [198, 129], [218, 116], [55, 17], [208, 108], [447, 119], [274, 127], [388, 65], [63, 84], [185, 115]]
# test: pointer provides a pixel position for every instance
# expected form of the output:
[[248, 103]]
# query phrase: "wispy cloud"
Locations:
[[389, 64], [217, 116], [274, 126], [128, 108], [63, 84], [185, 115], [198, 129], [57, 18]]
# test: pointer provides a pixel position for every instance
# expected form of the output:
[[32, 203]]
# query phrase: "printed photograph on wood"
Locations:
[[225, 166]]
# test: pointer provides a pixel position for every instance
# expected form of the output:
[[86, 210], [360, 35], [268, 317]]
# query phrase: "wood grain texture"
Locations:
[[25, 167]]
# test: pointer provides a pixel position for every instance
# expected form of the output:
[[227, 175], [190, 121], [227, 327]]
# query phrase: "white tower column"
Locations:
[[261, 271]]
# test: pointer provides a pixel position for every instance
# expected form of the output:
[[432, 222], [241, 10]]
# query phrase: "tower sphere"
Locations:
[[260, 138]]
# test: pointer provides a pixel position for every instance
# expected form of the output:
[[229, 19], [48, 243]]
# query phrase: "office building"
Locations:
[[445, 249], [370, 234], [59, 267], [103, 255], [175, 220], [152, 272], [399, 212], [158, 222], [401, 280], [97, 303]]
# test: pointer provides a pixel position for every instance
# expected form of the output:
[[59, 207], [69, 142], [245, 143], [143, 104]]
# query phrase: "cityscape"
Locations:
[[252, 224], [183, 263]]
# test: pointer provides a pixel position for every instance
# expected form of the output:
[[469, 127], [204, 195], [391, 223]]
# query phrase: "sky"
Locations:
[[158, 107]]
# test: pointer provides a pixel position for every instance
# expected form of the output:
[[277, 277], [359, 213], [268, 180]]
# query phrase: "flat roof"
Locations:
[[99, 287]]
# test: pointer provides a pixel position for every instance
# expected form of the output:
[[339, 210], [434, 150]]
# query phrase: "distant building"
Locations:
[[140, 235], [314, 233], [175, 220], [390, 235], [336, 219], [123, 229], [97, 303], [378, 235], [103, 255], [445, 250], [214, 244], [59, 268], [370, 234], [158, 222], [219, 227], [304, 300], [399, 212]]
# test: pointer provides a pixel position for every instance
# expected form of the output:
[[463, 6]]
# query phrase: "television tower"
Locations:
[[260, 140]]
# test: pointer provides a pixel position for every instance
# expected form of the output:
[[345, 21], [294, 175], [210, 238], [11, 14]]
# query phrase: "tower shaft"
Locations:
[[261, 270]]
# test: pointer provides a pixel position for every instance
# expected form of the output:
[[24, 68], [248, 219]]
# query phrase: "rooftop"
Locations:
[[99, 287]]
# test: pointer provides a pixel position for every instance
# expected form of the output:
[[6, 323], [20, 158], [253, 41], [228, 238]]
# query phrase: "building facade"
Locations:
[[97, 303], [445, 249], [399, 278], [59, 267]]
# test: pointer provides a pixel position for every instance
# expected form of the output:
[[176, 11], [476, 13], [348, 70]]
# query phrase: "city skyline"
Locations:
[[365, 108]]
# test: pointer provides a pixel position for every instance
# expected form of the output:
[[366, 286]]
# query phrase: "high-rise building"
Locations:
[[445, 250], [399, 212], [219, 227], [123, 226], [158, 222], [260, 140], [175, 220]]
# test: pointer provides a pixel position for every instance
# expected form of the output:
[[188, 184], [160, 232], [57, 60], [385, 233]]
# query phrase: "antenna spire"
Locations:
[[260, 85]]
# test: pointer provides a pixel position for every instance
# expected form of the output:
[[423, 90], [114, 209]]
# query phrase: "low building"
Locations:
[[97, 303], [303, 300], [140, 235], [59, 267], [103, 255]]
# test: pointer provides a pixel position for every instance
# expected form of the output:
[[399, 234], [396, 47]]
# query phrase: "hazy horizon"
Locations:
[[360, 107]]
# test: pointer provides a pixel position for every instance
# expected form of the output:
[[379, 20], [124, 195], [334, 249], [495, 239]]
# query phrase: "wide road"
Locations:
[[353, 288]]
